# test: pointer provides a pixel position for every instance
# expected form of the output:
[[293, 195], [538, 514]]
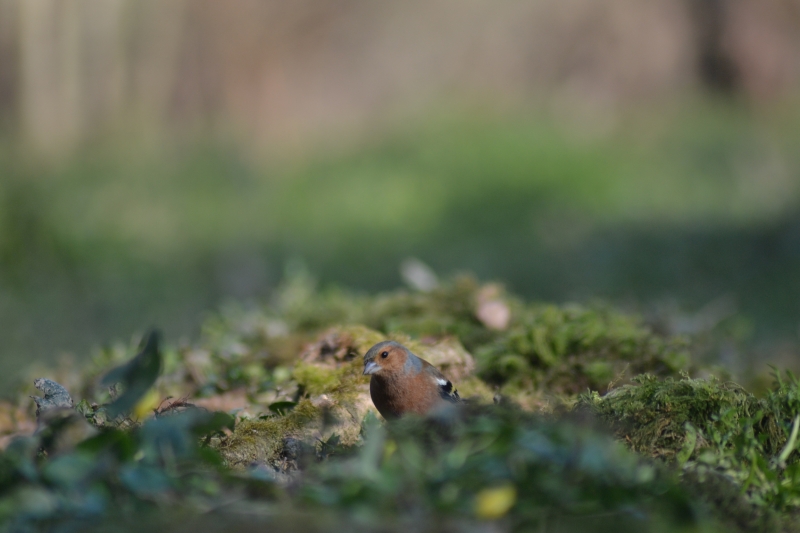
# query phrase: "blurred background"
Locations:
[[158, 159]]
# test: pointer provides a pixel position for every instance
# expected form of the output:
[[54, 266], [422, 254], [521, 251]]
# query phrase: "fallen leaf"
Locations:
[[491, 310], [494, 503]]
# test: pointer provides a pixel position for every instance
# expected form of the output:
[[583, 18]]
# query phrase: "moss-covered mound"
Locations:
[[301, 444], [557, 349]]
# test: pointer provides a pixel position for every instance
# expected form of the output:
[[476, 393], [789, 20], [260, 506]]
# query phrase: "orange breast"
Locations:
[[413, 394]]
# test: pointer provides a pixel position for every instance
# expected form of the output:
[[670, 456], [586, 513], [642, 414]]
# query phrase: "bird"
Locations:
[[403, 383]]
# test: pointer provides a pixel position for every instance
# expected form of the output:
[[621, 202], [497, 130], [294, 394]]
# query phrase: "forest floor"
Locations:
[[577, 417]]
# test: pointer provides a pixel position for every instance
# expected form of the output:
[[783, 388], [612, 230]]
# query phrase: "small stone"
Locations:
[[55, 396]]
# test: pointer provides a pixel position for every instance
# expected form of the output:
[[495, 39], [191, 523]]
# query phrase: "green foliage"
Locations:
[[114, 473], [437, 470], [718, 434], [415, 472]]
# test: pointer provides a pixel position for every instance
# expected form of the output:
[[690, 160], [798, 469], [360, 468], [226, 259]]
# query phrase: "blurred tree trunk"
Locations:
[[49, 64], [716, 68], [70, 73], [9, 52]]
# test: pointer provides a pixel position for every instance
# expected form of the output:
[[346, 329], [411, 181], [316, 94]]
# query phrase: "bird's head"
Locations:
[[386, 356]]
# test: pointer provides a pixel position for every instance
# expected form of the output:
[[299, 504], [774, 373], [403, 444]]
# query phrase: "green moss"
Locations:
[[573, 348], [315, 379], [599, 371], [651, 415], [718, 435], [474, 389], [333, 390], [357, 339], [262, 441], [448, 310]]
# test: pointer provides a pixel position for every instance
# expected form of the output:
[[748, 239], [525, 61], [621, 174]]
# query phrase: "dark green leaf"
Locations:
[[145, 480], [136, 376], [208, 423], [70, 470], [281, 408], [120, 443]]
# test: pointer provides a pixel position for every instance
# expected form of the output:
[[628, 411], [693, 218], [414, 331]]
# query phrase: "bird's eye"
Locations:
[[385, 355]]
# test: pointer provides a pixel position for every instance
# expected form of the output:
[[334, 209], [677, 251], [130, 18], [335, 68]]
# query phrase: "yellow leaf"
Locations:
[[495, 502], [388, 449], [145, 407]]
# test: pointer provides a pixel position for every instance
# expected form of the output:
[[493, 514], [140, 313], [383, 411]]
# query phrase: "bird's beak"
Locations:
[[371, 367]]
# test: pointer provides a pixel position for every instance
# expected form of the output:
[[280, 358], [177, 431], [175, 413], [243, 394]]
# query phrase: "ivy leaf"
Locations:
[[689, 444], [176, 436], [136, 376], [145, 480], [210, 423], [120, 444]]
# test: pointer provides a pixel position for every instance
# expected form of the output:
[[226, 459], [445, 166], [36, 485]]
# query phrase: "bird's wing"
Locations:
[[446, 389]]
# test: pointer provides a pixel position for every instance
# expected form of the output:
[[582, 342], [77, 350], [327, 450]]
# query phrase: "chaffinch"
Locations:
[[403, 383]]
